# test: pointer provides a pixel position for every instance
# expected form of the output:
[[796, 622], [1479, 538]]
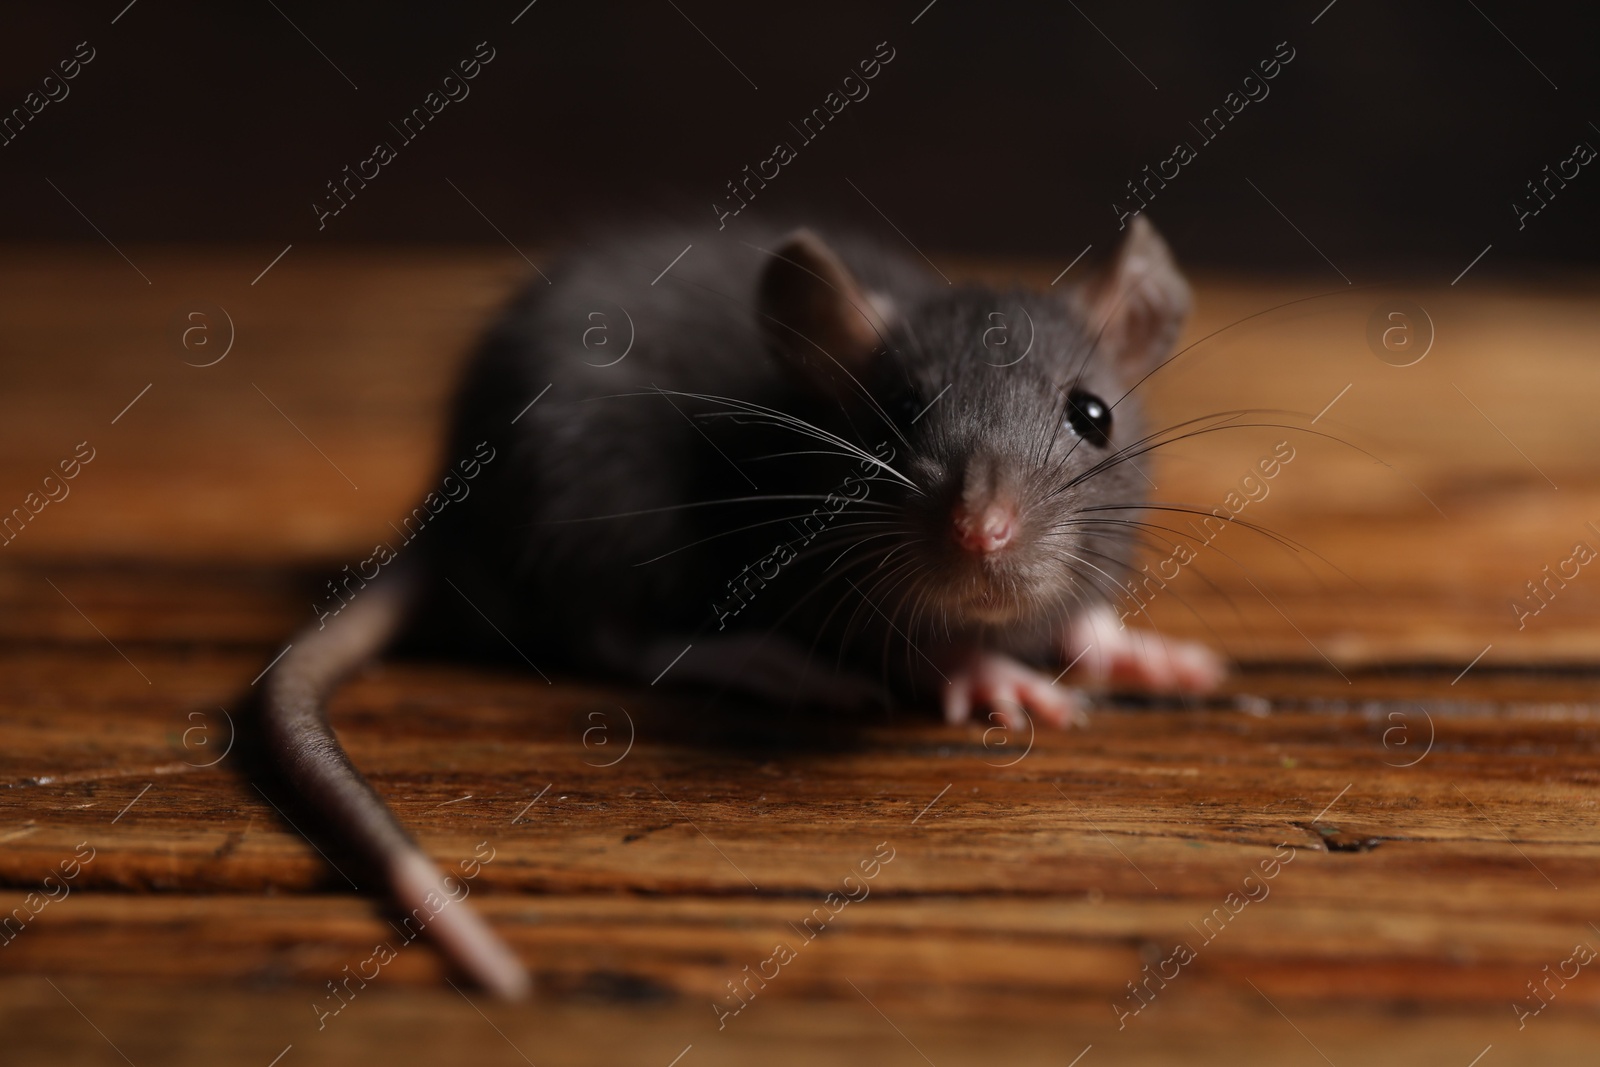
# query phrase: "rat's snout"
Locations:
[[984, 520], [984, 530]]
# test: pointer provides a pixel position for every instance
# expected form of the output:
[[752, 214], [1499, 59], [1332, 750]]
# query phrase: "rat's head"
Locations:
[[1013, 417]]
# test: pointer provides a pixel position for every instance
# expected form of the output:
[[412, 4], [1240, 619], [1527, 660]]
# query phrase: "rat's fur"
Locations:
[[657, 502]]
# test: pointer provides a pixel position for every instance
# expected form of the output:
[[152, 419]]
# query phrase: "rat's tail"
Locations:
[[302, 744]]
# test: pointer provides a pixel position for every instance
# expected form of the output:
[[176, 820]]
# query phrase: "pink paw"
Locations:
[[1010, 691], [1109, 654]]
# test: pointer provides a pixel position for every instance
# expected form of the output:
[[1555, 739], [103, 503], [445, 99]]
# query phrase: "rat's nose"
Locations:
[[985, 529]]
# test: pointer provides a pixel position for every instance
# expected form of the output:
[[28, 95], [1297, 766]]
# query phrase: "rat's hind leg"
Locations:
[[1109, 654]]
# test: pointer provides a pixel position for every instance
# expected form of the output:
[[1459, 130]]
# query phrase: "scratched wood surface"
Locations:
[[1423, 771]]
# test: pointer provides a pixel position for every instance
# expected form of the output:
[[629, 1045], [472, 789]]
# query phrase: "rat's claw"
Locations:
[[1055, 704], [1010, 690]]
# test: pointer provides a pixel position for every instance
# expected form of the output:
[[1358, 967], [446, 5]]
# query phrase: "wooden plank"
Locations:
[[153, 1023], [1440, 814], [460, 751]]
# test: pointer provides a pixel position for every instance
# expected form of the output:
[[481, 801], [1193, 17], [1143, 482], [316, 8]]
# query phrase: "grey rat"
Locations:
[[806, 469]]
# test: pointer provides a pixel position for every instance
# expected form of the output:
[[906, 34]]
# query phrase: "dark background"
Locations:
[[1397, 139]]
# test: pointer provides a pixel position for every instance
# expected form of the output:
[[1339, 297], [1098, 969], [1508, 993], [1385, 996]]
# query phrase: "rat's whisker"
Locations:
[[810, 452], [1179, 509], [779, 417], [744, 529], [1231, 425], [1198, 570], [1286, 542], [905, 566], [1122, 453], [859, 543], [1237, 322], [1052, 471], [861, 389], [757, 499], [877, 587], [806, 429], [1173, 540], [912, 588], [1180, 598]]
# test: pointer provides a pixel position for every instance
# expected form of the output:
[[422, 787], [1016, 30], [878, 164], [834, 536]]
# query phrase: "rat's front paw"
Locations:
[[1009, 689], [1106, 653]]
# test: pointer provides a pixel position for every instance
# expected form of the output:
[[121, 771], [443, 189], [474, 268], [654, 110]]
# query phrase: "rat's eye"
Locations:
[[1089, 417]]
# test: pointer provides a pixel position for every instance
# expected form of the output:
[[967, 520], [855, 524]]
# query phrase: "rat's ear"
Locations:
[[816, 315], [1138, 305]]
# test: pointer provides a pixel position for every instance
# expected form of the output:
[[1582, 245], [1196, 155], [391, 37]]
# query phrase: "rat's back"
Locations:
[[593, 389]]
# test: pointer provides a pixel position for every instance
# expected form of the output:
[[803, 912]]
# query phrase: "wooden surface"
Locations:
[[1441, 819]]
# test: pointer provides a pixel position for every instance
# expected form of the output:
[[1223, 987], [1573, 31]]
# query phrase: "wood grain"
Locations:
[[1440, 817]]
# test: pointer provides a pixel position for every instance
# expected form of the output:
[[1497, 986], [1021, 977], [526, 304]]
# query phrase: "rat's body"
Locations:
[[817, 473]]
